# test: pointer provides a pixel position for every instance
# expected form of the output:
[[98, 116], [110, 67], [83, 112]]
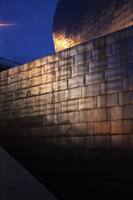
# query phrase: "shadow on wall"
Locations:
[[68, 166]]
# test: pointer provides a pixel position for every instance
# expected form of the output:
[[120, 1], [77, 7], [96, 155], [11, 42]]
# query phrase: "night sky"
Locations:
[[31, 35]]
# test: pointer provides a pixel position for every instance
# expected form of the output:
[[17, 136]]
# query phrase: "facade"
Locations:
[[78, 21], [68, 117]]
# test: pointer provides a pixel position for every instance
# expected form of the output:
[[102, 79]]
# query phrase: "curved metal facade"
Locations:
[[78, 21]]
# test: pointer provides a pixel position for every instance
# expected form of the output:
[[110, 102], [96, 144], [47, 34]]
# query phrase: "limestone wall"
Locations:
[[84, 93]]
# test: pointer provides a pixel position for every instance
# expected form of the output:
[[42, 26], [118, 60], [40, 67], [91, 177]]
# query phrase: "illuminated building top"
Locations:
[[79, 21]]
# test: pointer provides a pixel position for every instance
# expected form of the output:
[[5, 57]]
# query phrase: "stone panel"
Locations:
[[102, 101], [49, 120], [100, 115], [37, 63], [108, 100], [91, 90], [8, 97], [74, 71], [121, 141], [83, 69], [36, 81], [90, 128], [44, 60], [73, 94], [63, 118], [32, 91], [20, 94], [23, 68], [53, 58], [58, 96], [98, 64], [46, 88], [64, 63], [57, 107], [64, 106], [86, 116], [34, 72], [69, 106], [115, 73], [73, 105], [23, 84], [49, 108], [130, 69], [5, 81], [43, 99], [60, 85], [117, 60], [117, 113], [30, 101], [3, 75], [13, 71], [112, 100], [12, 87], [101, 141], [50, 67], [102, 127], [62, 74], [128, 112], [65, 130], [73, 117], [94, 78], [111, 87], [82, 58], [14, 78], [1, 98], [76, 82], [121, 127], [23, 75], [130, 57], [85, 47], [47, 78], [80, 129], [98, 52], [130, 83], [126, 97], [31, 65], [88, 103], [35, 121]]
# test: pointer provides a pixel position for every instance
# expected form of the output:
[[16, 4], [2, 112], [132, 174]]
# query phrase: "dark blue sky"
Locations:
[[31, 37]]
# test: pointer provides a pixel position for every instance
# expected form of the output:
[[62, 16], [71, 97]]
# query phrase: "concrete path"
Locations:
[[17, 183]]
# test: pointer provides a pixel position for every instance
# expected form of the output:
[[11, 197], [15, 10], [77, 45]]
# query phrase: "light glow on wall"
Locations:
[[61, 41]]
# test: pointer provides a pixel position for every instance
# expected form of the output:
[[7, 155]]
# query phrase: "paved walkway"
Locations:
[[17, 183]]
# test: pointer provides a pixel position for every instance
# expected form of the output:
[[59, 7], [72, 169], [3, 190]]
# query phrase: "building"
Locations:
[[68, 117], [79, 21]]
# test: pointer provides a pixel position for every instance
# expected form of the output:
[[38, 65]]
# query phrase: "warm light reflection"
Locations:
[[61, 41]]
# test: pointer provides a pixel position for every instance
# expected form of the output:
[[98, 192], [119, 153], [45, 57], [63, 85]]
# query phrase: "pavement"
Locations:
[[17, 183]]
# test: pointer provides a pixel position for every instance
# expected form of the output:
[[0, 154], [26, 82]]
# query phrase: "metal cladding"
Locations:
[[79, 21]]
